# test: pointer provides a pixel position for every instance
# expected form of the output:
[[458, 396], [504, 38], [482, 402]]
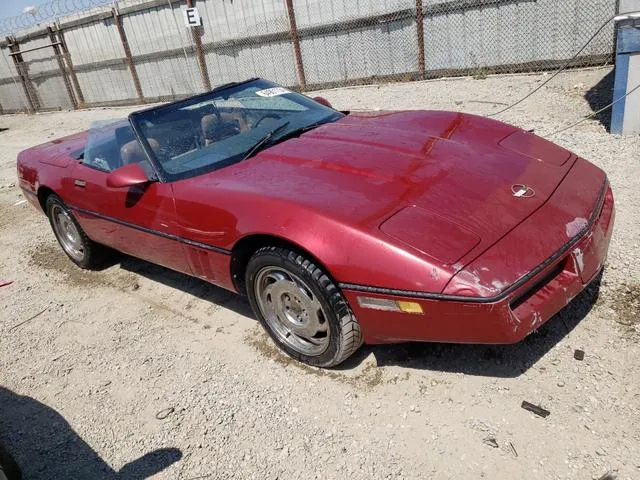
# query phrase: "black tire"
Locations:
[[93, 254], [344, 332]]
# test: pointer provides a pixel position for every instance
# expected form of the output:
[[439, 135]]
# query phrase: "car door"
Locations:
[[207, 227], [139, 220]]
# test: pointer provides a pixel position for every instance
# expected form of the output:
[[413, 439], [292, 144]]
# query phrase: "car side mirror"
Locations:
[[130, 175], [323, 101]]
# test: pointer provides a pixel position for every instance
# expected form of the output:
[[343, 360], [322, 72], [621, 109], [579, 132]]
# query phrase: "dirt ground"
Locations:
[[139, 364]]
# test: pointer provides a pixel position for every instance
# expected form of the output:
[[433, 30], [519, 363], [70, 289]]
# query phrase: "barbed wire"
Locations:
[[48, 11]]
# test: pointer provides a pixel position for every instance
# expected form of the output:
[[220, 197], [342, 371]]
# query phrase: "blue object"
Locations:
[[628, 47]]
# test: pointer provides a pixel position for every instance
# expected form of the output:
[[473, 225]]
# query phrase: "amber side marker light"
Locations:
[[390, 305]]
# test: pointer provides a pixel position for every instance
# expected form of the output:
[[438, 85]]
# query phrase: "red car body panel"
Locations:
[[508, 318], [405, 205]]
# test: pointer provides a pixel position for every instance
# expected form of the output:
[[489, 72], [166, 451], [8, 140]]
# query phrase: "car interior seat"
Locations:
[[132, 152], [219, 126]]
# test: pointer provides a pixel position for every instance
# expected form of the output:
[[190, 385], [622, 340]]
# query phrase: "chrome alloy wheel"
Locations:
[[67, 232], [291, 309]]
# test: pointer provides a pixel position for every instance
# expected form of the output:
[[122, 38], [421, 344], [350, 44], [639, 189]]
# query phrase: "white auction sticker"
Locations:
[[272, 92]]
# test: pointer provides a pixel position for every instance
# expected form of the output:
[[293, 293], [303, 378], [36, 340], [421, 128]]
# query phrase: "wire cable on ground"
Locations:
[[566, 65], [584, 119]]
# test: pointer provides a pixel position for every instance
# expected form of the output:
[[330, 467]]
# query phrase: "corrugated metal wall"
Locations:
[[341, 41], [98, 42], [512, 33], [44, 73], [12, 97], [161, 29], [387, 48], [229, 57]]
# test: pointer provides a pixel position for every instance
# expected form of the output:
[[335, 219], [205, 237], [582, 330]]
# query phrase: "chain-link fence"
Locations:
[[140, 51]]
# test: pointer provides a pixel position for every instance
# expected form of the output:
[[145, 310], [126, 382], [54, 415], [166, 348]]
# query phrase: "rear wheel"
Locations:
[[301, 308], [82, 251]]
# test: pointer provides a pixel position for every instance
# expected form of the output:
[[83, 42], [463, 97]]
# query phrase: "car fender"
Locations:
[[349, 253]]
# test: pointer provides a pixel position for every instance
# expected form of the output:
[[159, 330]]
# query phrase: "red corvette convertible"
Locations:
[[341, 228]]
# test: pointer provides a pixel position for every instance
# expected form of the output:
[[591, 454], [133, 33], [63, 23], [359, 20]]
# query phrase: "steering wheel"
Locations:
[[266, 115]]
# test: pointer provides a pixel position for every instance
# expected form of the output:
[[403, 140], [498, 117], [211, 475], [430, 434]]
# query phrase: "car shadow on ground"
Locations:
[[44, 446], [191, 285], [505, 361], [601, 95], [482, 360]]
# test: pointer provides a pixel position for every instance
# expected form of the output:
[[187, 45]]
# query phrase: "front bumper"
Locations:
[[507, 320]]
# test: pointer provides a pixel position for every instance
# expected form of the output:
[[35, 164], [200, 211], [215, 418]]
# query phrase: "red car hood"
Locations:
[[457, 172]]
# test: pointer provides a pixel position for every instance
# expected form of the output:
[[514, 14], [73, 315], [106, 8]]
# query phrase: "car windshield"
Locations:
[[219, 128]]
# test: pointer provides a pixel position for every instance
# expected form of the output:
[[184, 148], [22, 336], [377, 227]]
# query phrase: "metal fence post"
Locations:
[[420, 37], [295, 42], [127, 55], [18, 61], [197, 41], [63, 71], [67, 57]]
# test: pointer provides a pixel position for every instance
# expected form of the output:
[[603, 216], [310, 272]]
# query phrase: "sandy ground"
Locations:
[[139, 364]]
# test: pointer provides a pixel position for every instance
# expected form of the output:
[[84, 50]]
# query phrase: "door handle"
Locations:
[[80, 183]]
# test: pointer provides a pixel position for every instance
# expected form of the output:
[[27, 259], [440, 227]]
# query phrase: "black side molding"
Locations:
[[177, 238]]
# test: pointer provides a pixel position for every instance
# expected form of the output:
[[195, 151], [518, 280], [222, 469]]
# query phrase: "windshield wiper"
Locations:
[[256, 146], [301, 130]]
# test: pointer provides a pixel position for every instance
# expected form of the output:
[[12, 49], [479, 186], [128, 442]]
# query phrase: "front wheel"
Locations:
[[79, 248], [301, 308]]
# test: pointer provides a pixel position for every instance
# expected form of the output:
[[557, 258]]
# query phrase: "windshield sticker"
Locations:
[[272, 92]]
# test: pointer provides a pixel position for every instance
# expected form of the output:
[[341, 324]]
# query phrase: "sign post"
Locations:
[[193, 21]]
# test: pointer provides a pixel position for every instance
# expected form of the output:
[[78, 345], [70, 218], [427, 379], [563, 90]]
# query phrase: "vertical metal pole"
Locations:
[[615, 33], [18, 61], [70, 70], [295, 42], [197, 41], [420, 37], [63, 71], [127, 55]]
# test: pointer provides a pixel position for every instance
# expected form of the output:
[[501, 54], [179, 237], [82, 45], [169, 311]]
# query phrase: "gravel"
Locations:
[[139, 364]]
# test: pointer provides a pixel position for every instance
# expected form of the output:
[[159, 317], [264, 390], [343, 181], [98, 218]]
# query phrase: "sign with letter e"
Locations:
[[191, 17]]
